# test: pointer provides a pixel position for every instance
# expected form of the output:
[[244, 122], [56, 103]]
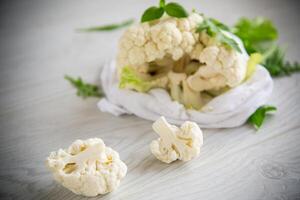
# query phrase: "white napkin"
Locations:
[[230, 109]]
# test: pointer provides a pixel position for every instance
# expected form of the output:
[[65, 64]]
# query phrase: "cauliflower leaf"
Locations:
[[260, 35], [254, 59], [214, 29], [255, 32], [130, 79]]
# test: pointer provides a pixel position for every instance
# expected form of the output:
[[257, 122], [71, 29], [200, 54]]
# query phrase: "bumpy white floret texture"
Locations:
[[87, 167], [144, 43], [222, 67], [176, 143], [175, 38]]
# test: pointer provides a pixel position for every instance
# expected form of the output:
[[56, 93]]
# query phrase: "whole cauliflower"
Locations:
[[176, 143], [174, 48], [87, 167]]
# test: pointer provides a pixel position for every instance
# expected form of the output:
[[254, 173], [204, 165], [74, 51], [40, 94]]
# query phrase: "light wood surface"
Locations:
[[39, 111]]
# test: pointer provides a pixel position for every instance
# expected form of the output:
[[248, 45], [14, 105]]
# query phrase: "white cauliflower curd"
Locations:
[[176, 143], [186, 67], [87, 167], [171, 53]]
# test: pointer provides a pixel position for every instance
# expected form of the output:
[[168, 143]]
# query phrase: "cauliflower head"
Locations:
[[87, 167], [176, 143], [171, 53]]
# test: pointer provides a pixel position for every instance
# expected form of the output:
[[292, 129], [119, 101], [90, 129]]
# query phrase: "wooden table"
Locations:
[[39, 111]]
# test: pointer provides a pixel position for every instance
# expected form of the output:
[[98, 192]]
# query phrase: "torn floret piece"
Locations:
[[87, 167], [222, 68], [176, 143]]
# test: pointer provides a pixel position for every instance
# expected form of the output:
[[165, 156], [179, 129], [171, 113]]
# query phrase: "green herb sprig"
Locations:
[[84, 90], [214, 29], [258, 117], [172, 9], [274, 61], [108, 27]]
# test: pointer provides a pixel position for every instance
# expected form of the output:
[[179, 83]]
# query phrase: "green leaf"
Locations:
[[254, 32], [219, 24], [260, 35], [172, 9], [229, 42], [258, 117], [175, 10], [162, 3], [274, 62], [108, 27], [212, 28], [152, 13], [131, 79], [84, 89]]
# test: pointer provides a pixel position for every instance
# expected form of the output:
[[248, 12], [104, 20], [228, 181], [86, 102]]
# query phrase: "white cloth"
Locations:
[[230, 109]]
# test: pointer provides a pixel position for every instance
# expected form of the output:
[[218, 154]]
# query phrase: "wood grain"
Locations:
[[39, 111]]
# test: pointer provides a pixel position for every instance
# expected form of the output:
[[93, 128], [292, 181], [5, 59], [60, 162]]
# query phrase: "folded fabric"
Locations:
[[229, 109]]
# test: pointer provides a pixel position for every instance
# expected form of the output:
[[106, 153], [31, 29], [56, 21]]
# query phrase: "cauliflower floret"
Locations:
[[146, 43], [223, 67], [166, 36], [87, 167], [176, 143]]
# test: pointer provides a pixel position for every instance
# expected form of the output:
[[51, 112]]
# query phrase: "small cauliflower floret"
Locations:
[[176, 143], [181, 92], [87, 167], [167, 36], [222, 67]]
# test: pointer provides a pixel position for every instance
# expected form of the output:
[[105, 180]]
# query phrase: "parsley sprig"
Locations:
[[214, 29], [276, 64], [108, 27], [172, 9], [258, 117], [84, 90]]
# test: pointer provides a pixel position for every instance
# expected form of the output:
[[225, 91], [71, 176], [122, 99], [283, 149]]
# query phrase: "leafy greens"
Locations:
[[84, 90], [109, 27], [260, 35], [214, 29], [172, 9], [258, 117]]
